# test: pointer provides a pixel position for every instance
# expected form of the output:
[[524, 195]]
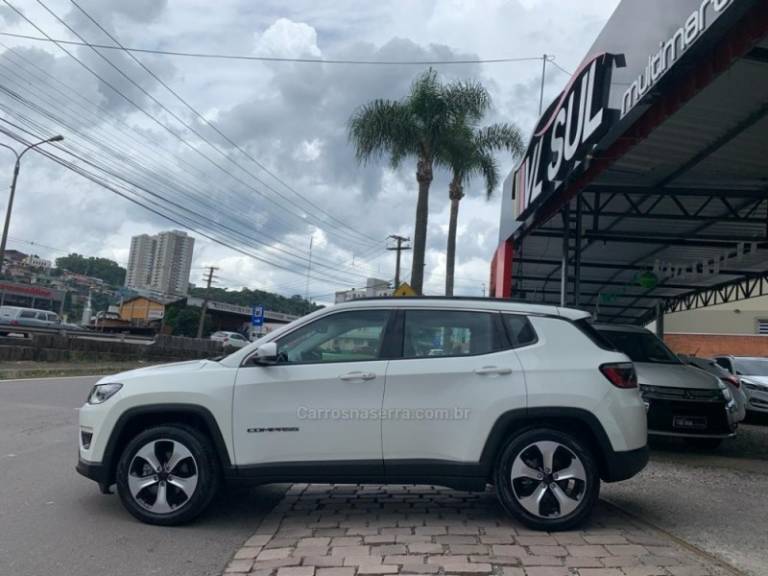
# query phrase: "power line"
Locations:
[[94, 153], [213, 126], [181, 121], [101, 145], [128, 194], [247, 57]]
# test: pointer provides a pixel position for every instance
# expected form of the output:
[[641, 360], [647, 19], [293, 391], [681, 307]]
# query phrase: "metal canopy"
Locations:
[[676, 218]]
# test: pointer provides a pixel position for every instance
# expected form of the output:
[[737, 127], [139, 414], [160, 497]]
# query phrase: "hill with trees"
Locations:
[[108, 270]]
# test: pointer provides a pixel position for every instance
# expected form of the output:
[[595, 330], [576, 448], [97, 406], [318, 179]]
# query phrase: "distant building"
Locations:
[[374, 287], [144, 309], [160, 263], [14, 257], [34, 261], [140, 262]]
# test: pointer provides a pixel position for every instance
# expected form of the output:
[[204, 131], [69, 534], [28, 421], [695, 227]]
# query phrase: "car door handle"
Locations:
[[350, 376], [492, 370]]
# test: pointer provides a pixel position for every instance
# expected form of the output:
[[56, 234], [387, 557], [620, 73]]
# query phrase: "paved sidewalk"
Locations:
[[350, 530]]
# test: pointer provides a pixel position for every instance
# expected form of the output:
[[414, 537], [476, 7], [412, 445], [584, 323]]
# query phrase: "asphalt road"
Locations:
[[717, 501], [53, 521]]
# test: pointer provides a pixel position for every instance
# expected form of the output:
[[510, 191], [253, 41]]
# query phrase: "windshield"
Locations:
[[641, 346], [751, 366]]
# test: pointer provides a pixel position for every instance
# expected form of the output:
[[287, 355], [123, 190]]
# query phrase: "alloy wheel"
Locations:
[[162, 476], [548, 479]]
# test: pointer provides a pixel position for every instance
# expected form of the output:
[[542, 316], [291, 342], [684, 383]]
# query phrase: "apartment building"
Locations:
[[160, 263]]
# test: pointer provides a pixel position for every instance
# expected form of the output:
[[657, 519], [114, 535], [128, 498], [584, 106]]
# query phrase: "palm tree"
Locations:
[[416, 127], [468, 152]]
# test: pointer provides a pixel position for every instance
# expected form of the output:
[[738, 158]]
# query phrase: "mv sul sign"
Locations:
[[566, 132]]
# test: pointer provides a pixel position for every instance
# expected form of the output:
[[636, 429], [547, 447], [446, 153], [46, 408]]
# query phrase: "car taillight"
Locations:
[[14, 322], [621, 375], [731, 380]]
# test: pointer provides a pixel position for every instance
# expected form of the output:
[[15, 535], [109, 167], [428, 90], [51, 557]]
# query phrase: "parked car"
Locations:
[[682, 401], [753, 373], [27, 317], [231, 339], [733, 382], [521, 396]]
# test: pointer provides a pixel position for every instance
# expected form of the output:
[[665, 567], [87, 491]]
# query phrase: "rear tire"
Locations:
[[167, 475], [547, 479], [704, 443]]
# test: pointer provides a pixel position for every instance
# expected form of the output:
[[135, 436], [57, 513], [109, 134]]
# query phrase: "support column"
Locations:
[[564, 262], [577, 255], [660, 321]]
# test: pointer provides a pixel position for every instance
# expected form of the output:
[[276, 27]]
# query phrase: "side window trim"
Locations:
[[511, 340], [392, 346]]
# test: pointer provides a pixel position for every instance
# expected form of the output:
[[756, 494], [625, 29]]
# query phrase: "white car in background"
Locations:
[[753, 373], [230, 339], [454, 392]]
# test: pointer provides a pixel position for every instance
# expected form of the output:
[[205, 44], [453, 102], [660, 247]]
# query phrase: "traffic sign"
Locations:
[[405, 290], [257, 316]]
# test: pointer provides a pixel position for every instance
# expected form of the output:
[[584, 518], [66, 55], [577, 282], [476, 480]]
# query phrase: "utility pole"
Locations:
[[309, 270], [16, 168], [399, 249], [544, 58], [204, 307]]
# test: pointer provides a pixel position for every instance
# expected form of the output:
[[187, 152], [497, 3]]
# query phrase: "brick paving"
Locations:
[[351, 530]]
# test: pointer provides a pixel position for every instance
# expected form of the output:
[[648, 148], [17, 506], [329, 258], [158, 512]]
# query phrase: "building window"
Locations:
[[762, 326]]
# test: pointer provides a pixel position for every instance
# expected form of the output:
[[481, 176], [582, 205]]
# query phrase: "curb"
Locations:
[[264, 532], [711, 558]]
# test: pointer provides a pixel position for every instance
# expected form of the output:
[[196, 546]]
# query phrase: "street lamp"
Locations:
[[57, 138]]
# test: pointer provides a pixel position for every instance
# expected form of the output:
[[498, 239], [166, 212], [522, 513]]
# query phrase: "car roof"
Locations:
[[462, 303]]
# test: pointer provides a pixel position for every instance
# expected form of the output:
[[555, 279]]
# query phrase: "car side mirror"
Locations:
[[266, 353]]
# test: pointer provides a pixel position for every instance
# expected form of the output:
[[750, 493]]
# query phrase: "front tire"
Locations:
[[167, 475], [547, 479]]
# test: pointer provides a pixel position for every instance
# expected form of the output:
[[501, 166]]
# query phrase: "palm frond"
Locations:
[[501, 137], [468, 99], [381, 126]]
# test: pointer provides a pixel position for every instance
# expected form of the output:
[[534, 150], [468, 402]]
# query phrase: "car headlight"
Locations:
[[725, 391], [103, 392]]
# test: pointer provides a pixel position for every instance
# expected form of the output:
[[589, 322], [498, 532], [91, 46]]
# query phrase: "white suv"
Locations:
[[454, 392]]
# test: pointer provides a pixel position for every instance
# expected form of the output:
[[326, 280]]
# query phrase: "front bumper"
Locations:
[[757, 397], [706, 413], [96, 472], [624, 465]]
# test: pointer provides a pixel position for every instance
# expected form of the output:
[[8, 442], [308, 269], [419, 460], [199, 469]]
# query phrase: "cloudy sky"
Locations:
[[254, 154]]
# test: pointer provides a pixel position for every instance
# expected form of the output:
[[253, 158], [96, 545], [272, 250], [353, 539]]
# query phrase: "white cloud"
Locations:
[[288, 39]]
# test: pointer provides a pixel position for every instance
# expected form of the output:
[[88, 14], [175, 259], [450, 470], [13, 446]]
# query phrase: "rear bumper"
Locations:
[[623, 465]]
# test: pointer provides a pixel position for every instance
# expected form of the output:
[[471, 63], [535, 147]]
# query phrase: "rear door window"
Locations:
[[436, 333], [27, 314]]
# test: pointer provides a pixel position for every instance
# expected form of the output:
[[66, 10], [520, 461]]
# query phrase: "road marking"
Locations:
[[51, 378]]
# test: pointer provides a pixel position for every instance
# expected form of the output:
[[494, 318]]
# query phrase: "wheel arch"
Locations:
[[578, 421], [139, 418]]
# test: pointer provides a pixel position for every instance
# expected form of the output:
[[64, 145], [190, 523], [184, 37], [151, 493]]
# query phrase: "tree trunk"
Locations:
[[455, 193], [424, 178]]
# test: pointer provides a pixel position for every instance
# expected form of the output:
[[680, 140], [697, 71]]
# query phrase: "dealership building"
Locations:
[[643, 192]]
